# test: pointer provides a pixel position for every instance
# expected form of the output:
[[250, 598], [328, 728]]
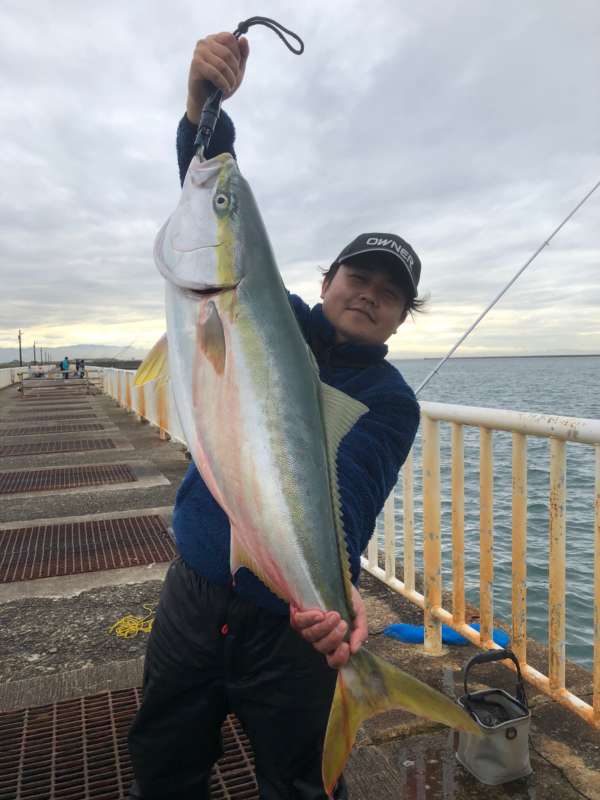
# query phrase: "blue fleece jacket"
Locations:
[[370, 455]]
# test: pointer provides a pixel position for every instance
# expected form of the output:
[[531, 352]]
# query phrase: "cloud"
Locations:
[[471, 131]]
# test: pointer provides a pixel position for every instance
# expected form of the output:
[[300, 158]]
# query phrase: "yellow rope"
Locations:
[[130, 625]]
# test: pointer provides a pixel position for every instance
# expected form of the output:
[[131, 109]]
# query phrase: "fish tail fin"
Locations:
[[367, 686]]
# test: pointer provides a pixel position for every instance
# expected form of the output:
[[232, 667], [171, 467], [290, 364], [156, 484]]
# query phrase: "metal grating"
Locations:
[[77, 750], [71, 402], [46, 391], [45, 551], [63, 427], [65, 446], [44, 480], [56, 407], [48, 416]]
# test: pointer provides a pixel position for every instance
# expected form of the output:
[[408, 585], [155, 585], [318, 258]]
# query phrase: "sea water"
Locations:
[[568, 386]]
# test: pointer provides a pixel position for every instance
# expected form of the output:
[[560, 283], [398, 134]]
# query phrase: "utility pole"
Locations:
[[20, 353], [34, 357]]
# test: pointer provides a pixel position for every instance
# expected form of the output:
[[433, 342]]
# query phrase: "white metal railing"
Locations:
[[152, 402], [155, 404], [559, 431], [10, 375]]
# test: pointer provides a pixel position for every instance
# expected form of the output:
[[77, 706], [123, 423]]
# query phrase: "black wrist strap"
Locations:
[[212, 107]]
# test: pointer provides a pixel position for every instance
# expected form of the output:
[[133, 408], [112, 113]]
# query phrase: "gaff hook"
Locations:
[[212, 107]]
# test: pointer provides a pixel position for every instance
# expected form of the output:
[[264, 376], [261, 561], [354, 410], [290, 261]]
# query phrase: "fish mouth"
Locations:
[[209, 291], [196, 248]]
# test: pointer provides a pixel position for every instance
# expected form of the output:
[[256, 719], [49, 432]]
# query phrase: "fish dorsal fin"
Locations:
[[340, 414], [155, 367]]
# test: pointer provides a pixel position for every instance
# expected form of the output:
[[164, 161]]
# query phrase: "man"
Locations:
[[65, 367], [217, 647]]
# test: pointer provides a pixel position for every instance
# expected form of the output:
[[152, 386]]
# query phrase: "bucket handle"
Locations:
[[498, 655]]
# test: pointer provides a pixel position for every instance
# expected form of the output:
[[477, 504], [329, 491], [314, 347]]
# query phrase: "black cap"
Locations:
[[402, 254]]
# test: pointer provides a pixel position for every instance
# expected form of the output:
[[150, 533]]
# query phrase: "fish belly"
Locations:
[[269, 482]]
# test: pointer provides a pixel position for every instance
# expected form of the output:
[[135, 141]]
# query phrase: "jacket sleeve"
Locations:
[[221, 142], [369, 460]]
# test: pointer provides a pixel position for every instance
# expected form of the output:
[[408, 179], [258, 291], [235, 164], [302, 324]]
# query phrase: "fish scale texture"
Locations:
[[369, 457]]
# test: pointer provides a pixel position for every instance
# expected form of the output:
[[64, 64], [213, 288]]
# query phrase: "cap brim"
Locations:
[[400, 268]]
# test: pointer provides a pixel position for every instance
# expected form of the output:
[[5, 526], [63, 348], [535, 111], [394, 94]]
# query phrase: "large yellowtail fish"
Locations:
[[264, 431]]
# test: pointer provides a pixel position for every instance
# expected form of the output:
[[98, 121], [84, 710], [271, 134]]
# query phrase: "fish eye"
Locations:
[[221, 202]]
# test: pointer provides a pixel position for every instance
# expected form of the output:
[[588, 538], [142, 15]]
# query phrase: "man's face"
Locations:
[[363, 304]]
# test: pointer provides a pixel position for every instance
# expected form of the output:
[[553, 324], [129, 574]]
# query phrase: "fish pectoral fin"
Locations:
[[155, 367], [240, 556], [211, 338], [340, 413], [367, 686]]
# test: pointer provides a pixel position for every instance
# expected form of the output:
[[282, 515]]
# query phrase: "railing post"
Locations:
[[432, 547], [408, 514], [556, 588], [596, 701], [373, 550], [519, 546], [389, 535], [458, 525], [141, 402], [486, 537], [162, 402], [128, 383]]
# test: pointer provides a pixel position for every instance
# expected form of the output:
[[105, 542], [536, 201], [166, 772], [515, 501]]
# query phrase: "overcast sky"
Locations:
[[469, 128]]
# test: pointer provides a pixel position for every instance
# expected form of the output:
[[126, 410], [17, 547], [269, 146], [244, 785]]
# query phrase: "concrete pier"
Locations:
[[86, 494]]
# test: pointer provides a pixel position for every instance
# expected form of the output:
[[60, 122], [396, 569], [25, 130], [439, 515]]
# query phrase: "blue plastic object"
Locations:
[[414, 634]]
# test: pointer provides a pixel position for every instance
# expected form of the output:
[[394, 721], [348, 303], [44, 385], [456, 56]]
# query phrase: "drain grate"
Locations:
[[34, 416], [40, 402], [45, 551], [44, 480], [64, 427], [66, 446], [77, 750]]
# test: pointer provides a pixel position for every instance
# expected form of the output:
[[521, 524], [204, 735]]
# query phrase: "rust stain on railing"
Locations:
[[409, 523], [162, 400], [432, 545], [556, 587], [140, 401], [128, 380], [519, 546], [486, 537]]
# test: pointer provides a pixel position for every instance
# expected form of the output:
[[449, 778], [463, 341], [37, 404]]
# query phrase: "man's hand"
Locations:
[[328, 633], [219, 60]]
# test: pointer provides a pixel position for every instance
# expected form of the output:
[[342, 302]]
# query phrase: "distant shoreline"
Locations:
[[478, 358]]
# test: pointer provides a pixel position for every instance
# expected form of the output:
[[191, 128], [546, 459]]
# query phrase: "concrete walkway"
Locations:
[[93, 545]]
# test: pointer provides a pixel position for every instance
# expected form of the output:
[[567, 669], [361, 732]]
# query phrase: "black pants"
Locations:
[[211, 653]]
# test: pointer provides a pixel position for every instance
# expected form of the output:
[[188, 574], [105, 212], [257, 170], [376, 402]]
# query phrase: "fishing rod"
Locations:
[[506, 288], [212, 107], [121, 350]]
